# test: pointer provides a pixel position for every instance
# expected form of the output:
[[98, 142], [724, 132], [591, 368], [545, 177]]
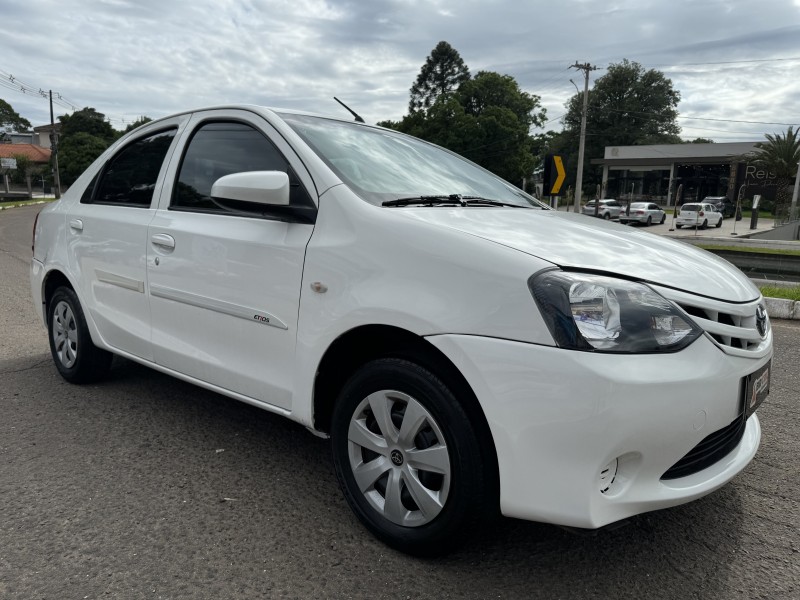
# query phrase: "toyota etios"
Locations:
[[466, 349]]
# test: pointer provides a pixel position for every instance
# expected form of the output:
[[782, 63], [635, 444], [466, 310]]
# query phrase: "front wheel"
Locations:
[[76, 357], [663, 218], [607, 216], [719, 223], [408, 459], [649, 221]]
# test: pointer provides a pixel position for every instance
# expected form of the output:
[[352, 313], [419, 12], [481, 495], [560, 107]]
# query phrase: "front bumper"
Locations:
[[559, 417]]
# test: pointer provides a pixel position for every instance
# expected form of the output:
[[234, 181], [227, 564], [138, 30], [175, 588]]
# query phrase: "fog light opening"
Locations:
[[608, 475]]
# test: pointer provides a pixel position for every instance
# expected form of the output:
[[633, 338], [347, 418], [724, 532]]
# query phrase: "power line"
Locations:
[[726, 62], [10, 82], [636, 112]]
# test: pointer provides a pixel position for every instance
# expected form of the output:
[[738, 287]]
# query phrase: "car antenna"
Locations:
[[350, 110]]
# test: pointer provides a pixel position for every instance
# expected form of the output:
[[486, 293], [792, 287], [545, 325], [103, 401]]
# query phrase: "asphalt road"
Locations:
[[146, 487]]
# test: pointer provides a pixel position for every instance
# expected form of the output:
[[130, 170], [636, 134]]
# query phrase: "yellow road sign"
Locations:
[[562, 174]]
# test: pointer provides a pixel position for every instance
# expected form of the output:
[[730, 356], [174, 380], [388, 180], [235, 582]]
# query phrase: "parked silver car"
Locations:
[[608, 209], [646, 213]]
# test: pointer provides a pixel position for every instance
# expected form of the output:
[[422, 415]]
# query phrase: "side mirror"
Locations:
[[257, 187]]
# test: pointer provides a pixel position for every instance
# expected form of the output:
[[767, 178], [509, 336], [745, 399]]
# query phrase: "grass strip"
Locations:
[[16, 203], [754, 250], [787, 293]]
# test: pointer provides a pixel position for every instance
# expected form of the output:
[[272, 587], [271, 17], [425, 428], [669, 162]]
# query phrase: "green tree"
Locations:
[[780, 155], [699, 140], [137, 123], [76, 152], [87, 120], [486, 119], [85, 134], [443, 72], [627, 106], [10, 120]]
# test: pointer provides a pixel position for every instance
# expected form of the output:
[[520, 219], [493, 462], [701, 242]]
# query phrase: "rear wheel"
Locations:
[[408, 459], [607, 216], [75, 355], [678, 226], [704, 225]]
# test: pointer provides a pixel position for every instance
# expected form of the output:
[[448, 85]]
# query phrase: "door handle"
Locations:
[[163, 240], [76, 224]]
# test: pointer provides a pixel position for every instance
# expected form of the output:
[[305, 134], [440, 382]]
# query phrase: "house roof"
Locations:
[[36, 153]]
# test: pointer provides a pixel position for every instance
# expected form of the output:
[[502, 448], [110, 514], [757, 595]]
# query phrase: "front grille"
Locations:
[[711, 449], [733, 327]]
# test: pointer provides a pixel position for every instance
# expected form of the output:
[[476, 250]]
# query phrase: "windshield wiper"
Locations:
[[448, 199], [426, 200], [478, 201]]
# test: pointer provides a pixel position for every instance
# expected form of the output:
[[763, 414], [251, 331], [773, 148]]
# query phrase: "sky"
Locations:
[[736, 63]]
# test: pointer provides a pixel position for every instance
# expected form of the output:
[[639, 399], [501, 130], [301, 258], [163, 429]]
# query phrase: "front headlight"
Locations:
[[604, 314]]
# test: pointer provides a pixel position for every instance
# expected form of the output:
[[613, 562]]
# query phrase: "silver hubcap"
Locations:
[[65, 334], [399, 458]]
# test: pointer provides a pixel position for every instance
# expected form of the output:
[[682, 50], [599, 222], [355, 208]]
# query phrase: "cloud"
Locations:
[[129, 58]]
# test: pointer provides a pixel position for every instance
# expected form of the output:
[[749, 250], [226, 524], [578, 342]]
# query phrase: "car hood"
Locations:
[[576, 241]]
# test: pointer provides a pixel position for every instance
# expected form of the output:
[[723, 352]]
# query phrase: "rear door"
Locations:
[[224, 282], [107, 237]]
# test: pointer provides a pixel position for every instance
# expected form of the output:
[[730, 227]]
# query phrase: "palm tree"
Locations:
[[780, 155]]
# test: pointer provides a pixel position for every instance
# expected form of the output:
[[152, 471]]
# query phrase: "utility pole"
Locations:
[[54, 148], [793, 210], [585, 67]]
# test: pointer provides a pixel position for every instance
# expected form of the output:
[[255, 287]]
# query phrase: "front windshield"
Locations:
[[382, 165]]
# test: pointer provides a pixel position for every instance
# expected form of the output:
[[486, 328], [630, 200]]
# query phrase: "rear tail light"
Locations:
[[701, 213]]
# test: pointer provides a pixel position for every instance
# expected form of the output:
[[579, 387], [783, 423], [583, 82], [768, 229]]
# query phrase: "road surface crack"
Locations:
[[22, 370]]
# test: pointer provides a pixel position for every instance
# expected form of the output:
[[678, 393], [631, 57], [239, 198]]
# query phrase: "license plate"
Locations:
[[756, 389]]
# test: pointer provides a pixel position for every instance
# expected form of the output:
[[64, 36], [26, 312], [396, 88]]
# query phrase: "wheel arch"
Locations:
[[53, 280], [363, 344]]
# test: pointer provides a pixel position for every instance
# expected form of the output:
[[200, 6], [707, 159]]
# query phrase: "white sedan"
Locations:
[[458, 341], [698, 214], [645, 213]]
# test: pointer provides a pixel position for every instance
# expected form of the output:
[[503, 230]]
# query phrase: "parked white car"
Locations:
[[607, 208], [644, 213], [698, 214], [459, 342]]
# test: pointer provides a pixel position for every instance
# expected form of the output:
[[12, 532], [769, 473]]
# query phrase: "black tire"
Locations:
[[462, 497], [719, 224], [663, 218], [704, 225], [649, 221], [607, 216], [678, 226], [76, 357]]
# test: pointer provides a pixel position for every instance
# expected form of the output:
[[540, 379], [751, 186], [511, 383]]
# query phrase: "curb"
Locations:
[[780, 308]]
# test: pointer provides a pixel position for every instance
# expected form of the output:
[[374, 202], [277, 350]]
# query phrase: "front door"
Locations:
[[224, 283]]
